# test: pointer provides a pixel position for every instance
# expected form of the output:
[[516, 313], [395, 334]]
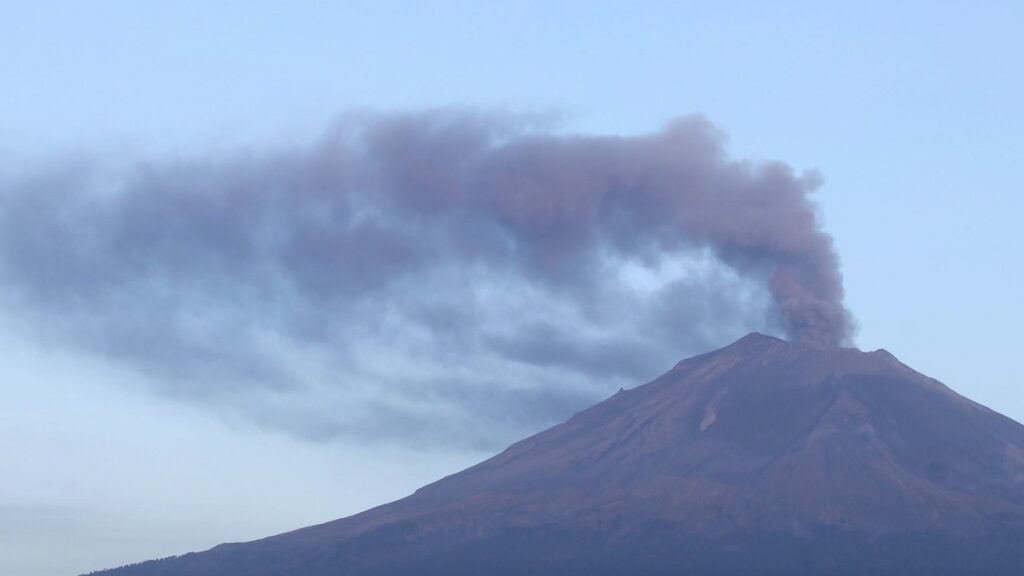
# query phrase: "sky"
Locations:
[[178, 371]]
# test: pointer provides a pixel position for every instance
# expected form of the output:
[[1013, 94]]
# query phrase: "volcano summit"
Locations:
[[764, 457]]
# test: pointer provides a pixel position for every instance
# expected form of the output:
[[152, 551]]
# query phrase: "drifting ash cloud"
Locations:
[[433, 277]]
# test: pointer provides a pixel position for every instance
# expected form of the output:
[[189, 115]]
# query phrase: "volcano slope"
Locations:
[[764, 457]]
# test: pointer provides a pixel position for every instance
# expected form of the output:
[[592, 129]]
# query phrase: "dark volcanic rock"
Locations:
[[763, 457]]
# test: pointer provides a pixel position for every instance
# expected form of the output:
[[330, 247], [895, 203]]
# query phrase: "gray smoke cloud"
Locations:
[[437, 276]]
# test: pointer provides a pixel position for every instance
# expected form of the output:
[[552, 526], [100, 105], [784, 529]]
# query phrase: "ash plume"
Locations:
[[423, 271]]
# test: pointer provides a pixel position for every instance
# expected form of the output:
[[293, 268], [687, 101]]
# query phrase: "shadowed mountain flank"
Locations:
[[763, 457]]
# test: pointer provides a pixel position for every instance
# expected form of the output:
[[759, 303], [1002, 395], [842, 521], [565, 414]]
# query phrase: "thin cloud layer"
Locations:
[[433, 277]]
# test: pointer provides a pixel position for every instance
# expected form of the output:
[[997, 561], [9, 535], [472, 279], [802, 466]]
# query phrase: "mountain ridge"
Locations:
[[763, 453]]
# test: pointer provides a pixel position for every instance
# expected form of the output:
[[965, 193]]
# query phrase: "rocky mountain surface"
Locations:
[[764, 457]]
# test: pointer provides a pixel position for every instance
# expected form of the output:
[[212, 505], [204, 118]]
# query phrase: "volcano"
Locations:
[[763, 457]]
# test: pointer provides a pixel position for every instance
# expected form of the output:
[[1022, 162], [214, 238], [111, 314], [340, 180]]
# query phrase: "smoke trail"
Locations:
[[561, 200], [476, 248]]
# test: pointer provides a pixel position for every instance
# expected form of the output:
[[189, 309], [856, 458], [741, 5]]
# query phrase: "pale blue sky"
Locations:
[[910, 110]]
